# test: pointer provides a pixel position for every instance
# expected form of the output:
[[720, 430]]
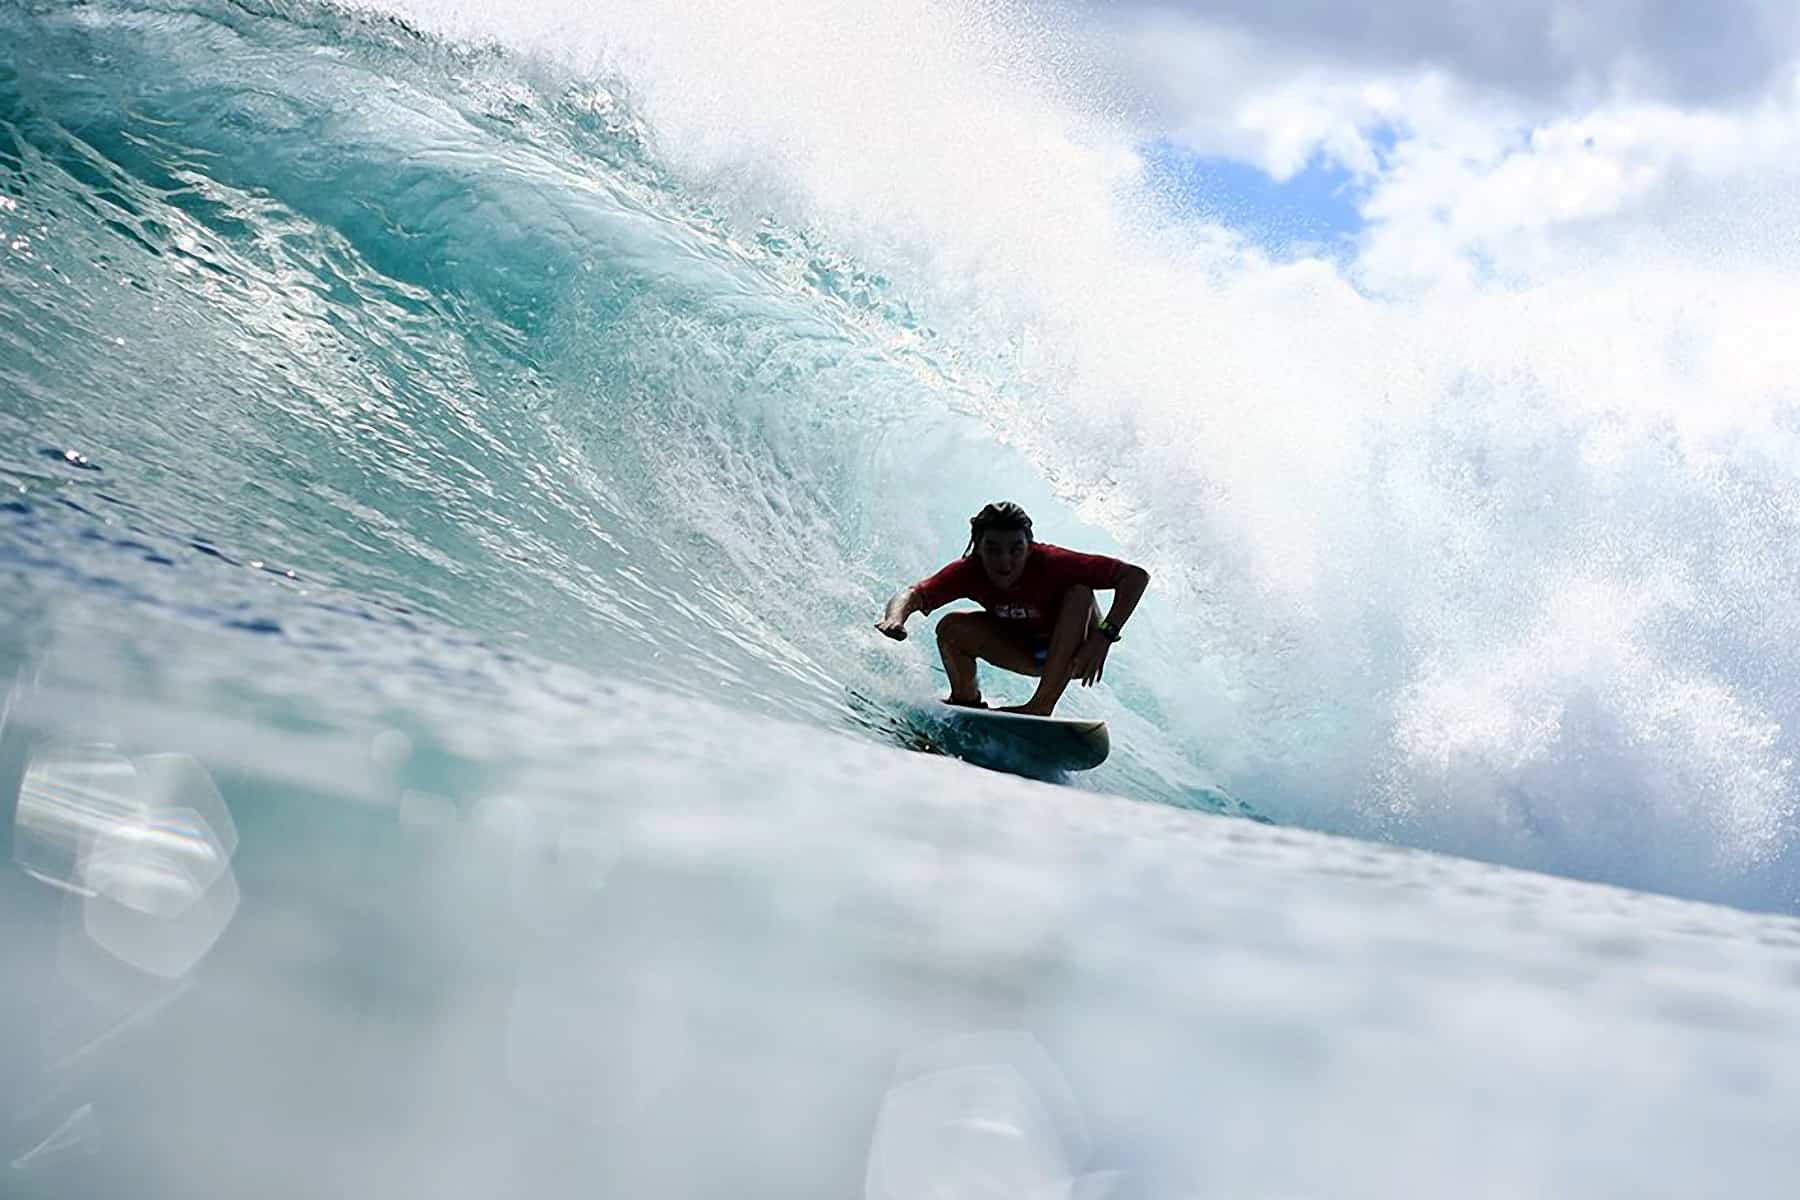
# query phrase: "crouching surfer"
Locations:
[[1039, 617]]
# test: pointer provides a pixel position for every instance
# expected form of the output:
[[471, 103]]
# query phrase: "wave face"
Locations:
[[358, 370]]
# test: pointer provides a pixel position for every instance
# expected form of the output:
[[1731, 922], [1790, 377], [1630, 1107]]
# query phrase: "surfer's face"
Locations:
[[1003, 553]]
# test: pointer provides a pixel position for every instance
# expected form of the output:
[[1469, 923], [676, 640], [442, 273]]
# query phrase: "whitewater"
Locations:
[[450, 468]]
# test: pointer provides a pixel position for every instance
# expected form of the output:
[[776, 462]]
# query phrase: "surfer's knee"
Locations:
[[954, 628]]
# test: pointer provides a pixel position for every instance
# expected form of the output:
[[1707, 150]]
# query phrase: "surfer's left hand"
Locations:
[[1089, 660]]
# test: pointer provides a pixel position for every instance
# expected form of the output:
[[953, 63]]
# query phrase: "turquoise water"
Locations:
[[447, 496], [375, 347]]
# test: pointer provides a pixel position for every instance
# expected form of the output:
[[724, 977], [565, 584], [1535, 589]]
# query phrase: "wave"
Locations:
[[623, 352]]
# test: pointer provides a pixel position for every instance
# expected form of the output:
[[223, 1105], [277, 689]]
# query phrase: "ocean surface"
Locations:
[[450, 466]]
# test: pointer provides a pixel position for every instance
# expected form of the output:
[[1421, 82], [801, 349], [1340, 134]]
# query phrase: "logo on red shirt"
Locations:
[[1049, 572]]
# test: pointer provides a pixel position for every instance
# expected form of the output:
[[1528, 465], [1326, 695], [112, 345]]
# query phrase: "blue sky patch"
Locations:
[[1317, 206]]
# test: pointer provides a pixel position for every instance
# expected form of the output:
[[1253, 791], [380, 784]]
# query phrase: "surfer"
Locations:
[[1040, 617]]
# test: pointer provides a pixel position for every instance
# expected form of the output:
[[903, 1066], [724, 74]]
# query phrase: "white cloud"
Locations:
[[1555, 50], [1505, 142], [1621, 181]]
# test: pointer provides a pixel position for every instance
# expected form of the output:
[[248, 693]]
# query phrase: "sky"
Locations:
[[1451, 141], [1315, 210], [1417, 143]]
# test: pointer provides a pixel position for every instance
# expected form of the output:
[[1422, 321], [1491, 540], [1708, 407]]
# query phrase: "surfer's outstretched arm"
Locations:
[[903, 604]]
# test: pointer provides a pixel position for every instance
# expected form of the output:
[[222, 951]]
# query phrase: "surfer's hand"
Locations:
[[1089, 660], [894, 629]]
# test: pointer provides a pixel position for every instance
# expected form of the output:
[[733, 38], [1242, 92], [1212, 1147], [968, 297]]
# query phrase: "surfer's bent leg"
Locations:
[[963, 638], [1072, 622]]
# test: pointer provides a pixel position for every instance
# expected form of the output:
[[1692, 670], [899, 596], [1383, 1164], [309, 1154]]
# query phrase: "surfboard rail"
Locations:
[[1052, 743]]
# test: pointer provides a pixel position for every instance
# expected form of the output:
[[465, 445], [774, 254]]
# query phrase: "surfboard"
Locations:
[[1014, 741]]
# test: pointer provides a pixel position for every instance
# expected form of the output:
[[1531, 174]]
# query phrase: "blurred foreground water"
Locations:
[[660, 951]]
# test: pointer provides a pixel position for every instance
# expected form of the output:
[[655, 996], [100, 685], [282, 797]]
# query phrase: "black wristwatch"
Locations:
[[1108, 630]]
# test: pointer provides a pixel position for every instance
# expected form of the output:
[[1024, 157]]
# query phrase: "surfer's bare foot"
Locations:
[[1031, 709], [976, 702]]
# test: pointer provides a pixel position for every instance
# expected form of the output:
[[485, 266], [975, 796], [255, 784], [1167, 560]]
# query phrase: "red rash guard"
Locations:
[[1031, 604]]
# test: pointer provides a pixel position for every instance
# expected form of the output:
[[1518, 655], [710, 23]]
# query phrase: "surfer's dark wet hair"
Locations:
[[1004, 517]]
